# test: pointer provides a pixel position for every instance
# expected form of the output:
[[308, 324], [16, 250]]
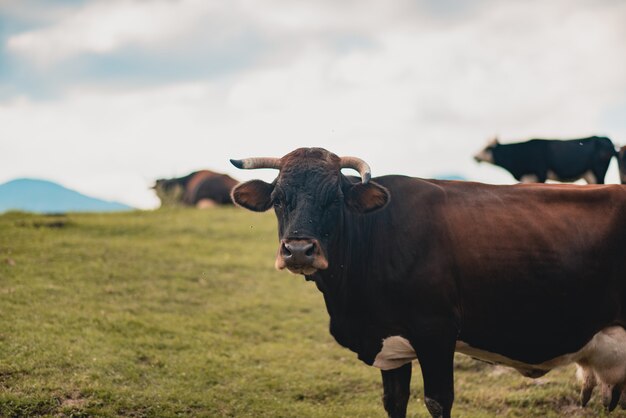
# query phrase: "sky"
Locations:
[[105, 96]]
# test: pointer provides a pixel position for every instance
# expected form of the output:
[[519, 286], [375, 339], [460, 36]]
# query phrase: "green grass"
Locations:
[[180, 313]]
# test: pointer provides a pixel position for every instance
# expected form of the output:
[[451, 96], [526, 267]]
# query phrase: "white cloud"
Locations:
[[103, 26]]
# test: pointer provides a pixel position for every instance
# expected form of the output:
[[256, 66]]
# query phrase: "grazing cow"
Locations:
[[529, 276], [538, 160], [621, 162], [200, 188]]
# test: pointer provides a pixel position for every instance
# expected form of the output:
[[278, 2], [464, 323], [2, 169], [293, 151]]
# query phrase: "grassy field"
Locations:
[[180, 313]]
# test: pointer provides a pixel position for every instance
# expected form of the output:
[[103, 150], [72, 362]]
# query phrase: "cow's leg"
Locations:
[[600, 174], [622, 399], [396, 387], [587, 378], [610, 395], [437, 359], [591, 178], [530, 178]]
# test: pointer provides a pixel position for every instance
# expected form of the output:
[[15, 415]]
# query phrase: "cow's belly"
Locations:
[[588, 176], [605, 354], [529, 370]]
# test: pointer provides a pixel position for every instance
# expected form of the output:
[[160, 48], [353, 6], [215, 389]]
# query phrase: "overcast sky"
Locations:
[[104, 96]]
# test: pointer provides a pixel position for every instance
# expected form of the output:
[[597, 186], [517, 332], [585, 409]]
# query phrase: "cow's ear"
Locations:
[[254, 195], [366, 198]]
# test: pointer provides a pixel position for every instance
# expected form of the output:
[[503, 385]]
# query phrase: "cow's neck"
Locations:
[[345, 284]]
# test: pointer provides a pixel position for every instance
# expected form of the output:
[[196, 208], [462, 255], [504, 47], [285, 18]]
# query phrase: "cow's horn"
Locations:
[[359, 165], [251, 163]]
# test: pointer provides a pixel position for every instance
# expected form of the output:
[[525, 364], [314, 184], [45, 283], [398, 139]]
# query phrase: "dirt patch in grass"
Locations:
[[72, 405], [8, 375]]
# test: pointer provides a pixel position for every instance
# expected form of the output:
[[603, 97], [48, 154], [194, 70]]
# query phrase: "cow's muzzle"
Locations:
[[301, 256]]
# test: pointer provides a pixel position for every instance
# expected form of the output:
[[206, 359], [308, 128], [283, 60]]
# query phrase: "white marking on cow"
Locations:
[[206, 203], [551, 175], [396, 352], [524, 368], [590, 178], [529, 178], [604, 356]]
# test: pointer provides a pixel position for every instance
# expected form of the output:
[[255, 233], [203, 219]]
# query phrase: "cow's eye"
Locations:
[[278, 203]]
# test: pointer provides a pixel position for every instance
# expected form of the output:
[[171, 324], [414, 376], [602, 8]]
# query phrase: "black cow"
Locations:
[[530, 276], [538, 160], [201, 188]]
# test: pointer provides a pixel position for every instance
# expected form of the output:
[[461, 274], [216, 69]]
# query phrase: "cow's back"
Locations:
[[209, 185], [216, 188], [570, 159]]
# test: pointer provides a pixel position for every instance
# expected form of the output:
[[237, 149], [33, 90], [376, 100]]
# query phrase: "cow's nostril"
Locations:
[[310, 250], [285, 250]]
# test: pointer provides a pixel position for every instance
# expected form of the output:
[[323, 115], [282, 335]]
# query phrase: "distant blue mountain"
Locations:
[[450, 177], [33, 195]]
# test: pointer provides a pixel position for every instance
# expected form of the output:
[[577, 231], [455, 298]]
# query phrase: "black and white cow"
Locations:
[[538, 160]]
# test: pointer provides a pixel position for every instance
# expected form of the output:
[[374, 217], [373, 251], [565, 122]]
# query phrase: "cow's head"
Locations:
[[309, 197], [486, 154], [169, 191]]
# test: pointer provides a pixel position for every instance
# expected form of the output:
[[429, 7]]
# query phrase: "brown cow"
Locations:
[[200, 188], [530, 276]]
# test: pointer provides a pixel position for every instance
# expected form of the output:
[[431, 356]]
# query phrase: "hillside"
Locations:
[[42, 196]]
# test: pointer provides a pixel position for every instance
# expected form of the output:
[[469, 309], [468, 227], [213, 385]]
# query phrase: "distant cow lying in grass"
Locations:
[[538, 160], [201, 188], [529, 276]]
